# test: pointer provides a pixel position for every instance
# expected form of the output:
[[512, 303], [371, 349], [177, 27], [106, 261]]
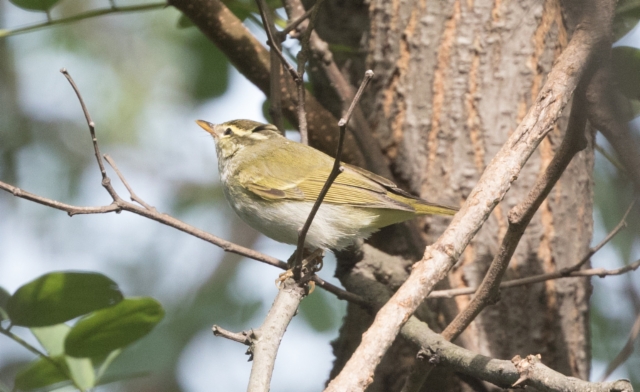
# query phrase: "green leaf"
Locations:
[[82, 373], [52, 338], [80, 369], [35, 5], [41, 373], [114, 327], [4, 298], [626, 70], [60, 296]]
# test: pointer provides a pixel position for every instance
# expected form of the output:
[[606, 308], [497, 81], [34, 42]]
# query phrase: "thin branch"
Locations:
[[132, 194], [375, 160], [612, 160], [39, 353], [303, 56], [493, 185], [266, 339], [251, 59], [275, 54], [240, 337], [520, 216], [563, 273], [82, 16], [607, 115], [626, 351], [293, 25], [106, 181], [439, 352], [272, 40], [335, 171]]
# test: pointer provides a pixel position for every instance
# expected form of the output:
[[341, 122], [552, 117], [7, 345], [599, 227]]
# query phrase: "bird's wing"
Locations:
[[354, 187]]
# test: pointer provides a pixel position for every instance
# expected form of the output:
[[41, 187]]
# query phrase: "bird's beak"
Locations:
[[207, 126]]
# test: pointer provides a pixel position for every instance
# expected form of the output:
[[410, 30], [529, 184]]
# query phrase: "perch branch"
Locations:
[[266, 339], [335, 171], [494, 183], [149, 212]]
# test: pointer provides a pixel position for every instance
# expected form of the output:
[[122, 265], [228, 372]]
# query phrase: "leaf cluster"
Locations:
[[77, 354]]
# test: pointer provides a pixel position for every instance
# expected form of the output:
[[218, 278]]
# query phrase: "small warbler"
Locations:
[[272, 182]]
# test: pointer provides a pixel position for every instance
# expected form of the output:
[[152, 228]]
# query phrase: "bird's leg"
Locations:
[[311, 263]]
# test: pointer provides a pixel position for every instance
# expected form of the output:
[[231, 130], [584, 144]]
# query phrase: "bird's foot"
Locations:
[[311, 264]]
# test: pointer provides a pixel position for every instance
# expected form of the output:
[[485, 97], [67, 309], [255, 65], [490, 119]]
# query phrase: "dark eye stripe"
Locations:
[[263, 127]]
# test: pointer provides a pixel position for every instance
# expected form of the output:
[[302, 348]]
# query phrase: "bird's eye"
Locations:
[[228, 132]]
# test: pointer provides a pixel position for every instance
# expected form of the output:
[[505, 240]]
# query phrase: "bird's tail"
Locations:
[[424, 207]]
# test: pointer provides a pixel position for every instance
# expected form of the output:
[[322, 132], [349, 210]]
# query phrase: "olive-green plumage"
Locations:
[[272, 182]]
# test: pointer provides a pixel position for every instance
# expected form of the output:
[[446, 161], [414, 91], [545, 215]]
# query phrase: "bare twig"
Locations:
[[626, 351], [274, 42], [563, 273], [335, 171], [359, 127], [266, 339], [275, 95], [82, 16], [240, 337], [604, 113], [132, 194], [494, 183], [294, 24], [520, 216], [106, 181]]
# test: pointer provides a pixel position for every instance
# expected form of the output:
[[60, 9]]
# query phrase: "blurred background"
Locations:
[[145, 78]]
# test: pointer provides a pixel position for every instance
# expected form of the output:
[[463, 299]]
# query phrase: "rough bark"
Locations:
[[453, 80]]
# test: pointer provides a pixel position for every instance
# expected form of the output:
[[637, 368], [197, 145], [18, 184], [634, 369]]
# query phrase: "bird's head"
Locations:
[[233, 136]]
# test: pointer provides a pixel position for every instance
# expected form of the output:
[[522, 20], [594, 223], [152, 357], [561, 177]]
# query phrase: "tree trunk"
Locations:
[[453, 80]]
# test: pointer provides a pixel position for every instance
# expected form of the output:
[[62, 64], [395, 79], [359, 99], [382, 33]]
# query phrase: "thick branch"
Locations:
[[439, 352], [440, 257], [519, 218], [266, 339]]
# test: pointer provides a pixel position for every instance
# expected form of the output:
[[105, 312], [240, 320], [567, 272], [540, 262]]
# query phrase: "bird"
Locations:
[[272, 182]]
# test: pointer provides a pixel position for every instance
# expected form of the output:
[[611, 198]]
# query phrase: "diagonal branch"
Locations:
[[496, 180], [569, 272], [520, 216], [335, 171]]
